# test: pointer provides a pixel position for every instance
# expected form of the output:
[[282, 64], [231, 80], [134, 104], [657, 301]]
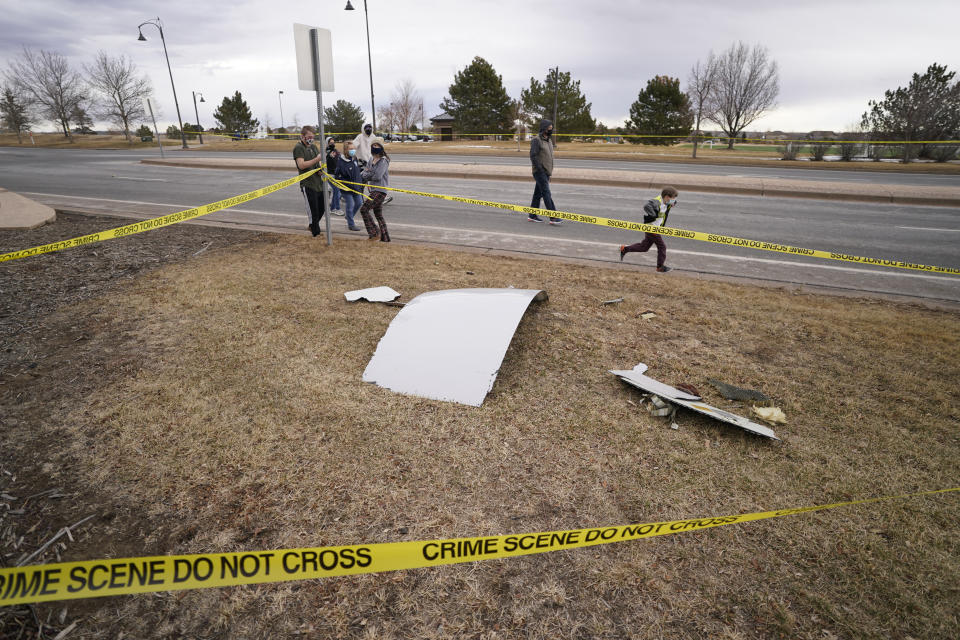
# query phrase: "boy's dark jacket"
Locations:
[[651, 211]]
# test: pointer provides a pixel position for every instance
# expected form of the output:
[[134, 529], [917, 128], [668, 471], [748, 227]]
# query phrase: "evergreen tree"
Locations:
[[927, 109], [477, 101], [82, 120], [343, 117], [15, 113], [191, 130], [234, 117], [661, 109], [573, 110]]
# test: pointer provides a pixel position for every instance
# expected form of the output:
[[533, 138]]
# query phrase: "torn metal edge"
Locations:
[[636, 378]]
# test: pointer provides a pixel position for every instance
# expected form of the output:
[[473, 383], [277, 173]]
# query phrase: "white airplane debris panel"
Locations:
[[448, 345]]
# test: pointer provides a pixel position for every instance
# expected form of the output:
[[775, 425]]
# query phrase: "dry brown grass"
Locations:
[[58, 141], [249, 428]]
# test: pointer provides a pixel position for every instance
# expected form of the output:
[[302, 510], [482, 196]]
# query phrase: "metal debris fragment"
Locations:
[[731, 392], [373, 294], [636, 378]]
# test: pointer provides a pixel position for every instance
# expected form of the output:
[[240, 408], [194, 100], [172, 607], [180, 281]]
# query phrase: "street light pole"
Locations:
[[366, 17], [556, 93], [197, 113], [280, 98], [183, 136]]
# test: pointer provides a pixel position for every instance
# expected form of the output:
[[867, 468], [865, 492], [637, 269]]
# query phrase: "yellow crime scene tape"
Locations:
[[155, 223], [118, 576], [188, 214], [734, 241]]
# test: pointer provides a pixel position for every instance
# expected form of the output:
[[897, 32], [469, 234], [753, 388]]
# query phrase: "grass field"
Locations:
[[246, 427]]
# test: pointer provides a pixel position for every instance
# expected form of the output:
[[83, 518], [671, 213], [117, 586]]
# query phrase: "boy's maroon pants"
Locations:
[[648, 240]]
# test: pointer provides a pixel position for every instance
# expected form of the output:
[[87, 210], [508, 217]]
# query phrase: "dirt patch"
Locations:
[[215, 404], [54, 351]]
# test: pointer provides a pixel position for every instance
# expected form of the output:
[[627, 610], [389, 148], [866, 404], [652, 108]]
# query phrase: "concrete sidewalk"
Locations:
[[17, 212], [648, 181]]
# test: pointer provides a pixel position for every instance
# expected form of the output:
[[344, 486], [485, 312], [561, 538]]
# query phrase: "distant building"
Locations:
[[821, 135], [442, 126]]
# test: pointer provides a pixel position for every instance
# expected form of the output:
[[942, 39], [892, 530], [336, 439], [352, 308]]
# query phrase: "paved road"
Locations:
[[115, 181], [866, 177]]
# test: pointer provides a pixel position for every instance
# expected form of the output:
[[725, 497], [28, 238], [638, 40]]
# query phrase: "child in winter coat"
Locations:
[[348, 169], [655, 213]]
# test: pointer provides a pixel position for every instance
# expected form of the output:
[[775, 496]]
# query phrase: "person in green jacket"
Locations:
[[308, 157]]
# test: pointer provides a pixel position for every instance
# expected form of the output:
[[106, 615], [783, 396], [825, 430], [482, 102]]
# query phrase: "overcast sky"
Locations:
[[833, 55]]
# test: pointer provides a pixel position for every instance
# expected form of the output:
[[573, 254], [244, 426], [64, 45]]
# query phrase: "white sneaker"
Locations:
[[338, 212]]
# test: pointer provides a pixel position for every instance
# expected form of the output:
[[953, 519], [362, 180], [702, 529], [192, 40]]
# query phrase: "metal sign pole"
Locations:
[[315, 48]]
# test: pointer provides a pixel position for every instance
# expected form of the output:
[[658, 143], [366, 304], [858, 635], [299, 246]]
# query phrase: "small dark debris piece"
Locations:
[[469, 273], [731, 392], [403, 531]]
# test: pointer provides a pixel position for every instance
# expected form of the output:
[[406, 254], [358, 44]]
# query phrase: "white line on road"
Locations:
[[929, 229], [140, 179]]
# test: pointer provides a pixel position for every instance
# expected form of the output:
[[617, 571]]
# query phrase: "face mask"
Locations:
[[548, 133], [352, 152], [377, 151], [672, 202], [368, 131]]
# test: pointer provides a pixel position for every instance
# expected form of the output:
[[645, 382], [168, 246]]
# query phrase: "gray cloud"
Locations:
[[833, 56]]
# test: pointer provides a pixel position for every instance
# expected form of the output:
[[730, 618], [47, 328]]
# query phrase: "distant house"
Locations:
[[443, 126], [821, 135], [776, 135]]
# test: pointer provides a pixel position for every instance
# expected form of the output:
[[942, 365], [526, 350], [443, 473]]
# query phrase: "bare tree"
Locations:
[[747, 84], [15, 112], [701, 84], [120, 91], [388, 118], [406, 104], [46, 77]]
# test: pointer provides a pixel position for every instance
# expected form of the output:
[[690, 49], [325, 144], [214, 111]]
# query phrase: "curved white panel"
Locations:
[[448, 345]]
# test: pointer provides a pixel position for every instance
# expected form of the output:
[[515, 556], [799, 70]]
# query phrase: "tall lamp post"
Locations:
[[196, 113], [156, 23], [556, 92], [366, 17], [280, 98]]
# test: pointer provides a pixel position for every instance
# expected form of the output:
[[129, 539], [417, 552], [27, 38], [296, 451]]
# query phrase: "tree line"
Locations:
[[731, 89]]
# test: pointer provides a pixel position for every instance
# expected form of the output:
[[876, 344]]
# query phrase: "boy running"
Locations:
[[655, 213]]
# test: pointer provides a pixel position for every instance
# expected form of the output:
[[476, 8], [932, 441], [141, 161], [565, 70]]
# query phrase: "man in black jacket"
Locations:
[[541, 157]]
